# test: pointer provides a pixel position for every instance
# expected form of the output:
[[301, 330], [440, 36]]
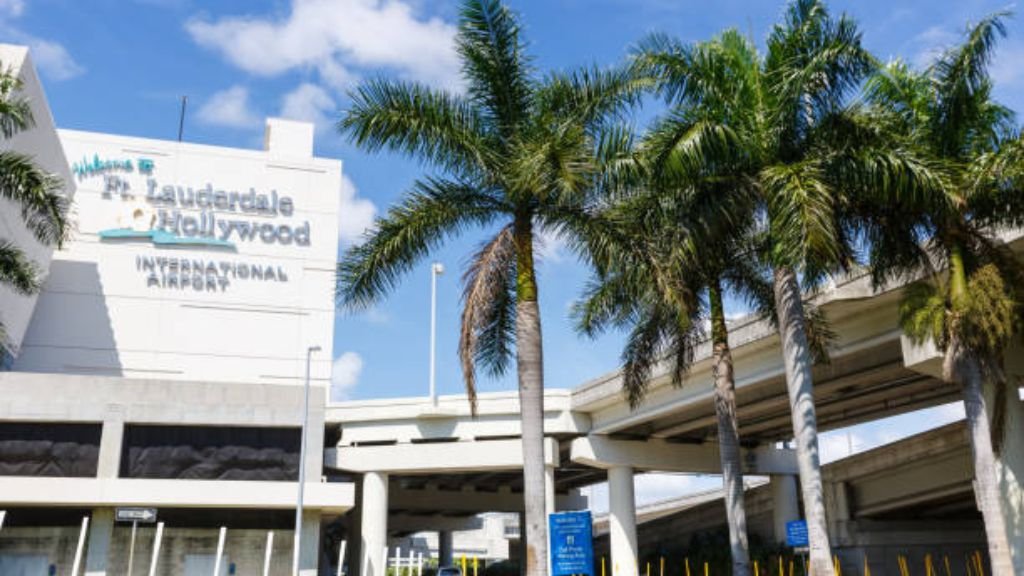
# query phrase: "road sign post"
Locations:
[[571, 543], [134, 515]]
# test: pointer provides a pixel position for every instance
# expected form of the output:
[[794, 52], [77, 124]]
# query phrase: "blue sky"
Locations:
[[121, 66]]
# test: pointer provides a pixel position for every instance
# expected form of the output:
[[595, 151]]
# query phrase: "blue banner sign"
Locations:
[[571, 541], [796, 533]]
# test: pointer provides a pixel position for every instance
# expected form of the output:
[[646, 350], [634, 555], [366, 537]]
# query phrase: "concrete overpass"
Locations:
[[413, 458]]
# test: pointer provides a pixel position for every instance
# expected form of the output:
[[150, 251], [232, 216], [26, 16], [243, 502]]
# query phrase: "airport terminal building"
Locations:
[[163, 364], [162, 369]]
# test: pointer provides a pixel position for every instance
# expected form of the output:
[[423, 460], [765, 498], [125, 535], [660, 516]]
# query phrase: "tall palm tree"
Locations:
[[684, 232], [516, 151], [662, 280], [781, 122], [38, 193], [973, 307]]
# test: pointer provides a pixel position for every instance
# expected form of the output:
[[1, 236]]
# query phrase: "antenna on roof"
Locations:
[[181, 119]]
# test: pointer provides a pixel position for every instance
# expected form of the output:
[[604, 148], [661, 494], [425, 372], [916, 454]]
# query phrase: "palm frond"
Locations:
[[17, 271], [495, 64], [433, 211], [430, 125], [487, 337], [44, 207], [15, 109]]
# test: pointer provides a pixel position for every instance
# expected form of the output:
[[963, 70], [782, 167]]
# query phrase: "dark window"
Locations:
[[49, 449], [209, 453]]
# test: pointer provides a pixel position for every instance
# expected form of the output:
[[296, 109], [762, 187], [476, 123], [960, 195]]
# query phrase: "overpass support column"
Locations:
[[444, 548], [374, 524], [549, 490], [622, 521], [785, 506]]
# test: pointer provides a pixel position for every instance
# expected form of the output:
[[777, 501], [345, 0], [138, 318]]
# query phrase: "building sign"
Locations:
[[174, 215], [571, 542], [203, 275], [133, 514], [796, 533], [96, 165]]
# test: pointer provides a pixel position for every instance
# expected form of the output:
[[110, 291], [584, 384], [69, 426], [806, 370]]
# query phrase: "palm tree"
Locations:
[[782, 125], [515, 150], [972, 308], [38, 193], [661, 280]]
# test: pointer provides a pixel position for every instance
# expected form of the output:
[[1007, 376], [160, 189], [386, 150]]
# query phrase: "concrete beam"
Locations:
[[103, 492], [653, 454], [436, 458], [471, 501], [433, 522]]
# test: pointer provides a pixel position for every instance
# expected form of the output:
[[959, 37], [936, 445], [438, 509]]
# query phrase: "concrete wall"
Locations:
[[105, 312], [42, 144]]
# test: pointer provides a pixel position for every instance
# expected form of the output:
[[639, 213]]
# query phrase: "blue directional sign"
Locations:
[[571, 540], [796, 533]]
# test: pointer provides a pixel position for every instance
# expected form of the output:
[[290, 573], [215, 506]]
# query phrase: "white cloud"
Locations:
[[229, 108], [930, 44], [345, 375], [549, 246], [1008, 67], [355, 215], [12, 8], [309, 103], [51, 57], [335, 37]]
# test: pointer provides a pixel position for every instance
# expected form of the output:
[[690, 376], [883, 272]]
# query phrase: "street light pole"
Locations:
[[302, 464], [435, 270]]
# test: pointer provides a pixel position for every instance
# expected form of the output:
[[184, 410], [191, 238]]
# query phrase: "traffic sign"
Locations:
[[572, 543], [144, 515], [796, 533]]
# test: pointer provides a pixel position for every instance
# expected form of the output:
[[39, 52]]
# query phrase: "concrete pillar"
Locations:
[[549, 490], [1010, 464], [97, 551], [622, 521], [111, 440], [444, 548], [309, 555], [375, 524], [785, 506]]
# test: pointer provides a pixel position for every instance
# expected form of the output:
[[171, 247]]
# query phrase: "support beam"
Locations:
[[430, 499], [97, 552], [436, 458], [653, 454], [622, 521], [785, 506], [111, 439], [375, 524]]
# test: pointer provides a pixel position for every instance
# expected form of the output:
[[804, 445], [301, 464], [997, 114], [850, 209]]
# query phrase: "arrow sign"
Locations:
[[144, 515]]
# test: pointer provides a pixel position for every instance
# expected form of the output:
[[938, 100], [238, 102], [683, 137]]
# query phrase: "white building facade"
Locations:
[[163, 363]]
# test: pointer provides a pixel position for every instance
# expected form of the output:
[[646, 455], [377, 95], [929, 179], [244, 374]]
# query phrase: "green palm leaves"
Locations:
[[39, 195]]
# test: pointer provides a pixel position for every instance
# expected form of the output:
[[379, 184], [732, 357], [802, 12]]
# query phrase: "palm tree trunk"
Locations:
[[961, 366], [728, 434], [796, 356], [530, 365]]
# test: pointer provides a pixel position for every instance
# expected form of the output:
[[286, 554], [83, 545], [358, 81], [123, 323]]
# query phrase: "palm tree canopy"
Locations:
[[514, 148], [40, 195], [946, 116]]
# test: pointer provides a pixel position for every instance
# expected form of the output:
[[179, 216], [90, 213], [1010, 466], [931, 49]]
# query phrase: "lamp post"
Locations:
[[302, 464], [435, 270]]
